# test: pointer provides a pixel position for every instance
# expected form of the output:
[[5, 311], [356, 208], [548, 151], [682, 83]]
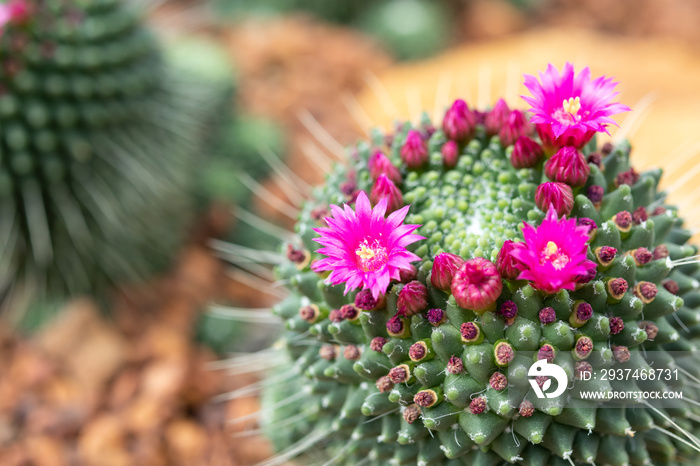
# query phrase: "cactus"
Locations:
[[99, 135], [409, 337]]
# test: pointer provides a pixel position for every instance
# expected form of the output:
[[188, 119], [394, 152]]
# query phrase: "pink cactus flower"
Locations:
[[568, 109], [526, 153], [14, 10], [554, 255], [364, 249]]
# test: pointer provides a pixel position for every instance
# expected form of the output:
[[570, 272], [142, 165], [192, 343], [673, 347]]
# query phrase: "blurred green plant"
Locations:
[[101, 137], [410, 28]]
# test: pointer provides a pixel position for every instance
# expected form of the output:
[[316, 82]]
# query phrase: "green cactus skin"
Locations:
[[470, 210], [98, 140]]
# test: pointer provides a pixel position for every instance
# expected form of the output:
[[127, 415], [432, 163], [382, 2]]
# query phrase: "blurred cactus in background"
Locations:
[[100, 139], [412, 321], [409, 28]]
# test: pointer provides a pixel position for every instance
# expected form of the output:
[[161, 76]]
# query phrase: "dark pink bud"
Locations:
[[459, 121], [436, 316], [385, 188], [400, 374], [629, 177], [351, 353], [503, 353], [497, 117], [507, 265], [477, 285], [616, 288], [526, 408], [547, 315], [414, 151], [444, 267], [407, 275], [477, 405], [595, 194], [517, 125], [470, 331], [660, 252], [605, 255], [568, 166], [411, 414], [418, 351], [526, 153], [616, 325], [328, 352], [450, 154], [508, 310], [583, 312], [642, 256], [395, 325], [671, 286], [455, 365], [377, 344], [335, 315], [547, 352], [379, 164], [595, 158], [349, 312], [646, 291], [384, 384], [650, 329], [309, 313], [621, 353], [498, 381], [425, 398], [558, 195], [639, 215], [413, 298], [583, 347], [365, 301], [582, 369], [660, 210], [607, 148], [623, 220]]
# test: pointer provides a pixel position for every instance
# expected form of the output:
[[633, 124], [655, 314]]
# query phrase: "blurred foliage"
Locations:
[[410, 28]]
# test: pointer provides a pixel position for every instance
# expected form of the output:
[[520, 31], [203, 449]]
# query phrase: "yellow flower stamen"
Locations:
[[552, 248], [572, 105], [365, 253]]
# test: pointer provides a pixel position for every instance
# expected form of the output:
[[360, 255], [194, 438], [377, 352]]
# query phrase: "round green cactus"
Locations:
[[98, 140], [437, 366]]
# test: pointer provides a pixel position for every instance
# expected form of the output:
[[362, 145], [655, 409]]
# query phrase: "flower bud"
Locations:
[[477, 285], [526, 153], [413, 298], [365, 301], [379, 164], [517, 125], [506, 264], [568, 166], [450, 154], [559, 195], [444, 267], [497, 117], [414, 151], [459, 121], [385, 188]]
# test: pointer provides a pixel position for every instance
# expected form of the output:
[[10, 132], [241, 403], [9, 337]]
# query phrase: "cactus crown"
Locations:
[[97, 137], [425, 360]]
